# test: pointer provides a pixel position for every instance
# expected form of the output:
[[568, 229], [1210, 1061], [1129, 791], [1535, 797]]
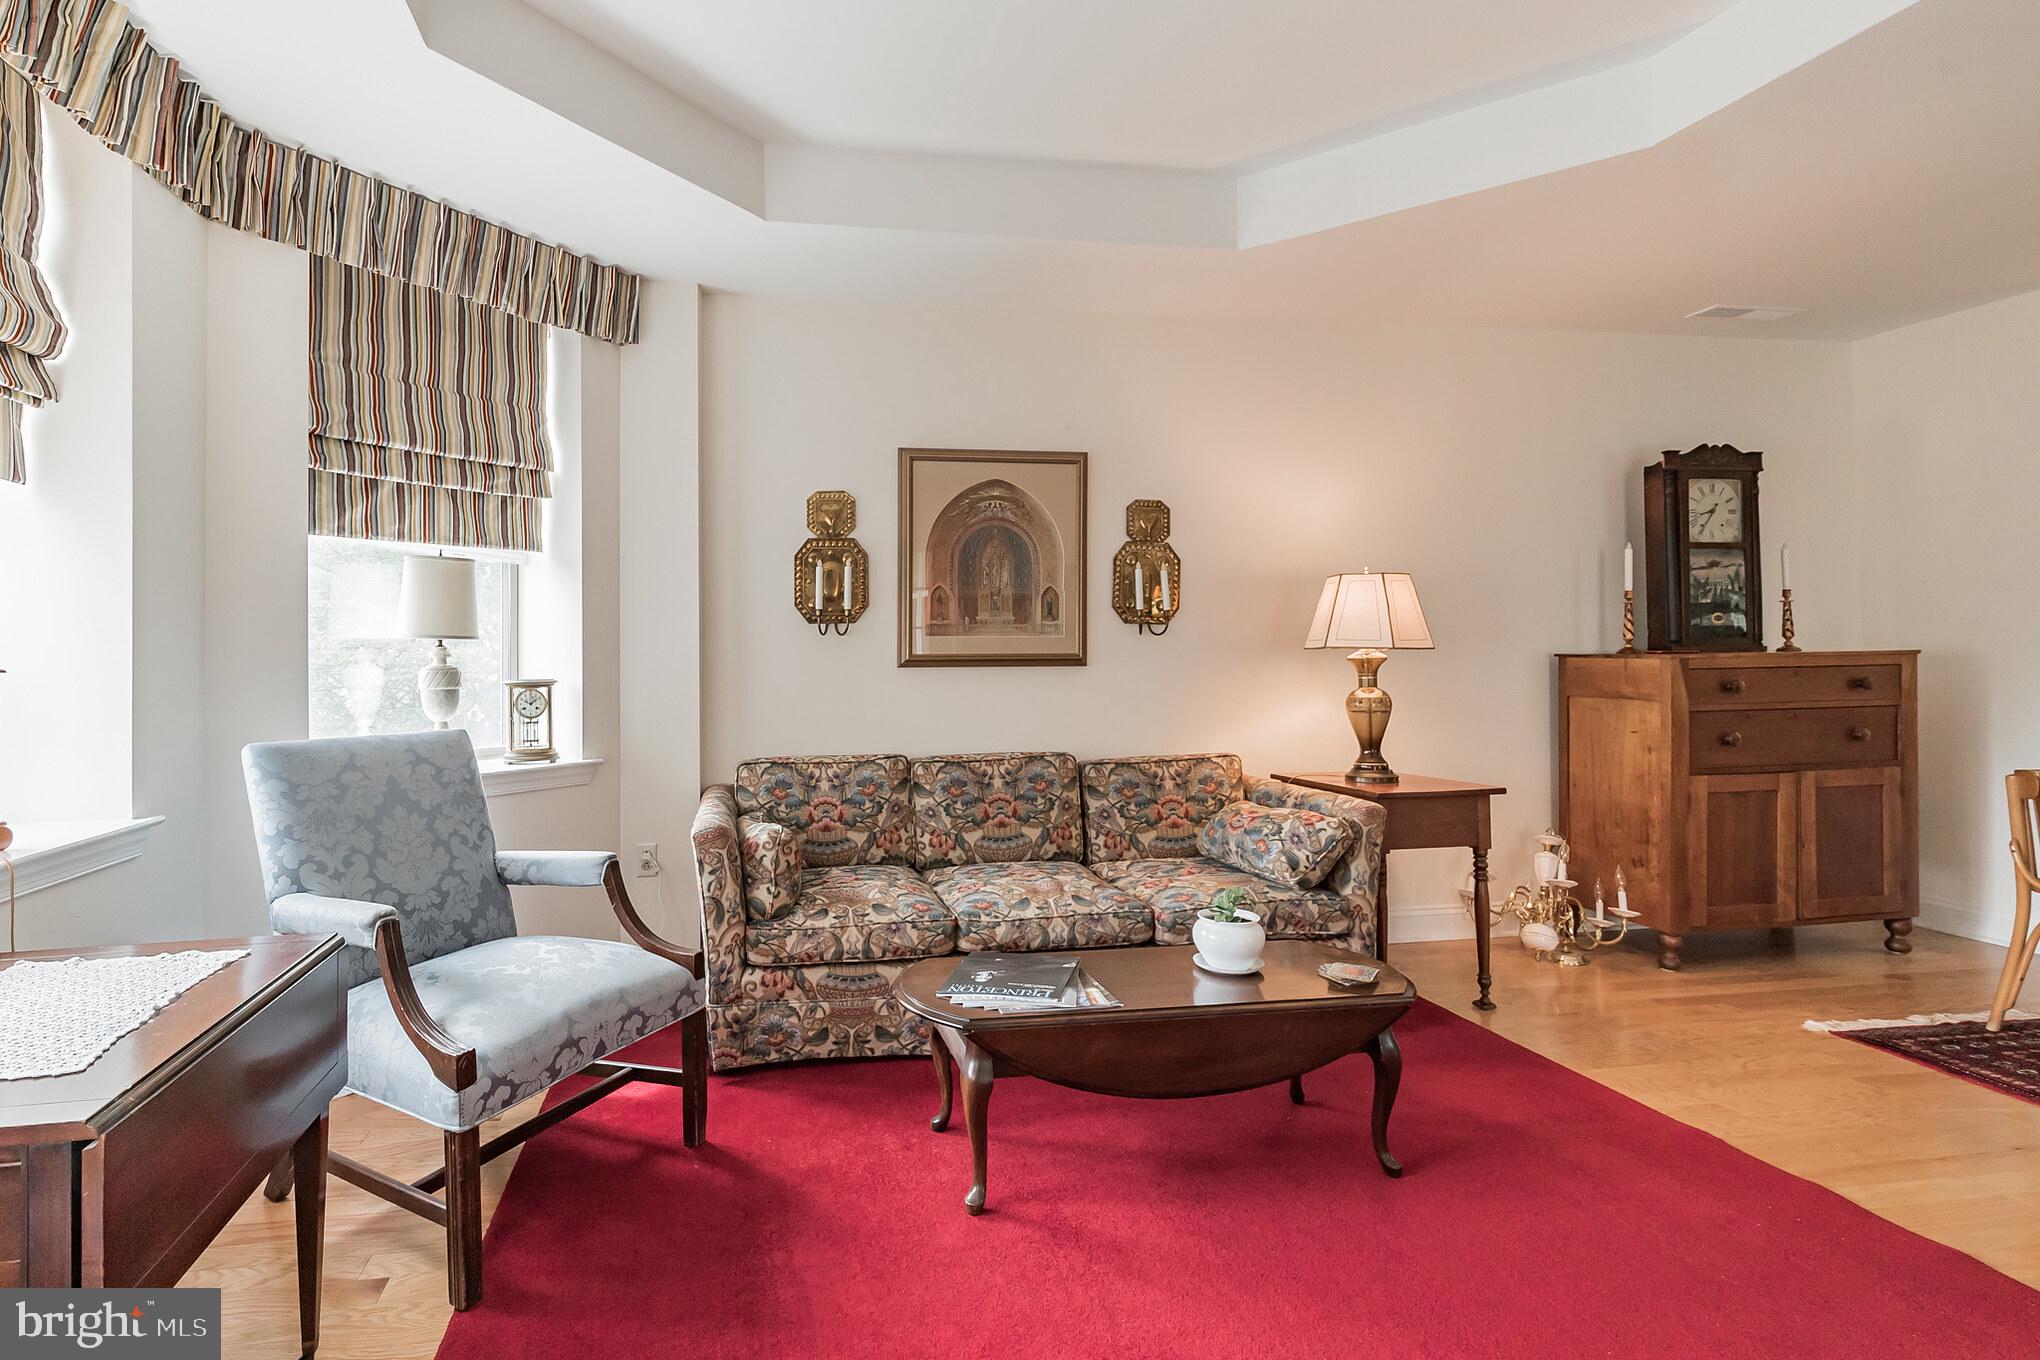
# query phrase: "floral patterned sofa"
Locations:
[[905, 859]]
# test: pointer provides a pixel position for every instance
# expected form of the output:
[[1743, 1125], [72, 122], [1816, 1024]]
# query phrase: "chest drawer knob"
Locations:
[[1859, 734], [1731, 738], [1732, 685], [1861, 682]]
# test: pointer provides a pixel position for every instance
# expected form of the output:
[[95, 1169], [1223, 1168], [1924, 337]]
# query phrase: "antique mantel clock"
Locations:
[[530, 711], [1701, 549]]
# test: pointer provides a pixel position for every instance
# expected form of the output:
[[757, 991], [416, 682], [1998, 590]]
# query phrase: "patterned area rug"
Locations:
[[2007, 1061]]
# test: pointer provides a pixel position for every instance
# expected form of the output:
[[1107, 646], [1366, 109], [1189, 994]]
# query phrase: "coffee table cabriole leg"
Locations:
[[976, 1065], [1387, 1077], [944, 1079], [1296, 1090]]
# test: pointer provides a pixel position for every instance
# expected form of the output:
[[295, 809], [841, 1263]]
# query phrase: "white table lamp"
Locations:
[[1370, 611], [437, 600]]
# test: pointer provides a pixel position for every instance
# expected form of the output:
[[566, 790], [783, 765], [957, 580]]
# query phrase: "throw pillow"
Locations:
[[771, 858], [1283, 845]]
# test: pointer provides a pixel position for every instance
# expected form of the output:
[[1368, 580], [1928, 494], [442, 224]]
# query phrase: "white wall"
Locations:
[[1502, 468], [660, 585], [1948, 425]]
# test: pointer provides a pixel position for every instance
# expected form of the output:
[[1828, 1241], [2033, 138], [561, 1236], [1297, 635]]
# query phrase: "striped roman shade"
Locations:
[[427, 415], [31, 331], [92, 60]]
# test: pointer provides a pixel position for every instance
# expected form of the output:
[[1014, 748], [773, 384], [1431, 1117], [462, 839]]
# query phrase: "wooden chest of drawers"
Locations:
[[1744, 790]]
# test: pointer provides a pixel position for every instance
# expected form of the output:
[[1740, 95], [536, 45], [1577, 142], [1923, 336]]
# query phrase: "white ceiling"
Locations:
[[1194, 86], [1877, 180]]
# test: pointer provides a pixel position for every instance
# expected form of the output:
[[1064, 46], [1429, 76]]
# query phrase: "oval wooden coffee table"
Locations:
[[1178, 1032]]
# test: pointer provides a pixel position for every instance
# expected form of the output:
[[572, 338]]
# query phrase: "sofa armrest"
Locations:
[[309, 914], [553, 868], [1357, 874], [719, 868]]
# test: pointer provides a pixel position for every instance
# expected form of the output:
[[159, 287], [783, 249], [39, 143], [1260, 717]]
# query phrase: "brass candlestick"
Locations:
[[1628, 624], [1785, 623]]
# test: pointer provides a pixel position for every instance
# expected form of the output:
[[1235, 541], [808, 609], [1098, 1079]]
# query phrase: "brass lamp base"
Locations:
[[1368, 708]]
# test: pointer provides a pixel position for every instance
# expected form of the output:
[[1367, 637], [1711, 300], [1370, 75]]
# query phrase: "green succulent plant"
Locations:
[[1228, 904]]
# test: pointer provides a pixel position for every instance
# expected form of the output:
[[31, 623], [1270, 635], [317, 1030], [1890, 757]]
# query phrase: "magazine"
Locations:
[[1041, 978], [1083, 993]]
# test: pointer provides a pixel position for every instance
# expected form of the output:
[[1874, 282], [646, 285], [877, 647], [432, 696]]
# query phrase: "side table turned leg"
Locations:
[[1896, 929], [1483, 1002], [1387, 1056]]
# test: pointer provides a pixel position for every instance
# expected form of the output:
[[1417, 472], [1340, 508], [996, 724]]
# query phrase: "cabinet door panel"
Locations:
[[1849, 844], [1743, 833]]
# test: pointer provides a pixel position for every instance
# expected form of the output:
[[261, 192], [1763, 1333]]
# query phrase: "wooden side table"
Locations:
[[1427, 813], [118, 1176]]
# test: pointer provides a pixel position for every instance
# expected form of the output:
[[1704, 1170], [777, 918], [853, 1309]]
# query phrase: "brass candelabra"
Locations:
[[1554, 925]]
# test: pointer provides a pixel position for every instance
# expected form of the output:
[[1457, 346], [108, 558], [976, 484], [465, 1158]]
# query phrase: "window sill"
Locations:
[[48, 853], [500, 777]]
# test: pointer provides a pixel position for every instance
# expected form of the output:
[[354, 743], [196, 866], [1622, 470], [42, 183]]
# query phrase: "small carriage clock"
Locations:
[[530, 713]]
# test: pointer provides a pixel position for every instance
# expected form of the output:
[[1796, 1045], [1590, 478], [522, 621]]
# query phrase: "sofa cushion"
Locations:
[[1175, 890], [1290, 846], [1003, 808], [772, 867], [1153, 807], [535, 1008], [854, 913], [1038, 906], [848, 809]]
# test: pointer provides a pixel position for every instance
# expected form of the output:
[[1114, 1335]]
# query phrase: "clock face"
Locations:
[[530, 703], [1714, 510]]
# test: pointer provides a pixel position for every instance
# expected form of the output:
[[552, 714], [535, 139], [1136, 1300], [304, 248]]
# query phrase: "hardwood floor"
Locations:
[[1718, 1046]]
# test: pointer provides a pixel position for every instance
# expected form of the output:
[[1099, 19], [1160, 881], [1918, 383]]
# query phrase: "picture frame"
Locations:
[[992, 561]]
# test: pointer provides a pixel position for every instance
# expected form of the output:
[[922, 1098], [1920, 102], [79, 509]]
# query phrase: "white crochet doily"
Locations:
[[58, 1016]]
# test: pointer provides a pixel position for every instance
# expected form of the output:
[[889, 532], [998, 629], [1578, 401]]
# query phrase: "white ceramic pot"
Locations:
[[1230, 946]]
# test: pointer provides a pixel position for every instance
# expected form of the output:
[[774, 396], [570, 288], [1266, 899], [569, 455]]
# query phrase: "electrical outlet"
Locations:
[[648, 860]]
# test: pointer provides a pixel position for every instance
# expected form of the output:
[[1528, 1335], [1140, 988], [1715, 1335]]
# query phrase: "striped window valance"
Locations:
[[31, 331], [427, 415], [95, 63]]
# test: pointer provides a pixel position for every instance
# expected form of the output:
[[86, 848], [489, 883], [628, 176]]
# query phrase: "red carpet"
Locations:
[[1541, 1215]]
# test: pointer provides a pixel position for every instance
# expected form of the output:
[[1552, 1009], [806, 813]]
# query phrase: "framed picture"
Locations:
[[991, 558]]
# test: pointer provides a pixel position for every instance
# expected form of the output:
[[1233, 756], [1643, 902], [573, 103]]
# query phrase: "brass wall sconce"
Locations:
[[1147, 576], [831, 572]]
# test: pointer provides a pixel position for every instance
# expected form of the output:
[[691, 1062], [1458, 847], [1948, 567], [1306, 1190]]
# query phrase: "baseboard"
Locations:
[[1950, 918], [1410, 925]]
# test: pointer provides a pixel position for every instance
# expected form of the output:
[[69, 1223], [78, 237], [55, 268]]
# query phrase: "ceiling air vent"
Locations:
[[1725, 313]]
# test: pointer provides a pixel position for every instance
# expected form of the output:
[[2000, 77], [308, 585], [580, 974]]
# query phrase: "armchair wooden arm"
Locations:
[[449, 1061], [640, 933]]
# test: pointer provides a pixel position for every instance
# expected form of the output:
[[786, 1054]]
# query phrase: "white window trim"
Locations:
[[48, 853], [500, 777]]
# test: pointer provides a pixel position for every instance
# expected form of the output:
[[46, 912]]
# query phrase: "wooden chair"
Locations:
[[2022, 797], [452, 1016]]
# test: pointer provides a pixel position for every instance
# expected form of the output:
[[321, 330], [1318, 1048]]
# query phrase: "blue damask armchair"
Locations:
[[452, 1016]]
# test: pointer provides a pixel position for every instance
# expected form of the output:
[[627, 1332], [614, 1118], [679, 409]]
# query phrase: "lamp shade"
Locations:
[[1369, 609], [437, 598]]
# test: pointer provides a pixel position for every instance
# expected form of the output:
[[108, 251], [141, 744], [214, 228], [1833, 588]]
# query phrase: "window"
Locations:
[[365, 682]]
